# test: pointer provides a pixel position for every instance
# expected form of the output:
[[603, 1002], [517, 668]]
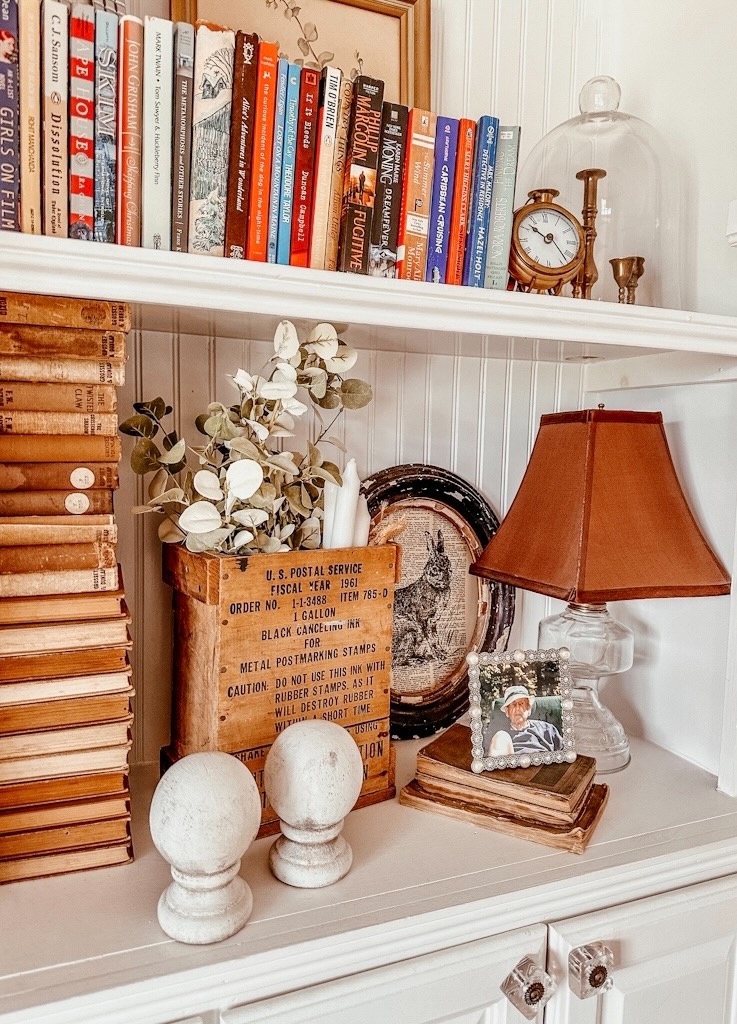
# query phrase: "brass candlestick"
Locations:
[[627, 272], [588, 275]]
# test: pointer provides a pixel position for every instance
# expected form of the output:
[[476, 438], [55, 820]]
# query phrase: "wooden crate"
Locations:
[[267, 640]]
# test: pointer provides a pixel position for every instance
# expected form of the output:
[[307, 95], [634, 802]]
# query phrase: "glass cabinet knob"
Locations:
[[528, 987], [590, 969]]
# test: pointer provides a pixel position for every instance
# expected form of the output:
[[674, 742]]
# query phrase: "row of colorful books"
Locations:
[[203, 139], [65, 676]]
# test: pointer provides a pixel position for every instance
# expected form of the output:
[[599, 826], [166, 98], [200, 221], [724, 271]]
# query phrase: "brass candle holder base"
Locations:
[[627, 272]]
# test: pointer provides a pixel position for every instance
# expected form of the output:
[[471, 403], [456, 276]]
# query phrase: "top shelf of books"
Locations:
[[191, 294]]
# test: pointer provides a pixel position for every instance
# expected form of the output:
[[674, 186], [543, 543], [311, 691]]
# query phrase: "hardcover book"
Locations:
[[41, 816], [263, 147], [241, 144], [213, 95], [385, 227], [502, 208], [52, 530], [41, 476], [304, 171], [49, 369], [461, 201], [70, 342], [63, 636], [474, 261], [54, 558], [328, 111], [31, 745], [106, 123], [158, 48], [446, 146], [22, 421], [64, 837], [286, 192], [55, 149], [60, 311], [81, 121], [31, 130], [48, 448], [130, 131], [45, 792], [181, 133], [52, 503], [332, 242], [359, 185], [34, 690], [10, 106], [44, 865], [61, 664], [277, 156], [58, 714], [414, 223], [61, 397], [80, 581], [64, 762]]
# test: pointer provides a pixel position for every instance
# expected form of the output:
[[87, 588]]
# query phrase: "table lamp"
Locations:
[[600, 516]]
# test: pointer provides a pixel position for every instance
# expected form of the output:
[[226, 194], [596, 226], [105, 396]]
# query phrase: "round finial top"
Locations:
[[205, 812], [313, 774], [599, 95]]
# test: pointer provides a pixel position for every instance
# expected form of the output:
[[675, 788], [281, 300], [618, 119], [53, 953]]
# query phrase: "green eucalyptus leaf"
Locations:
[[174, 455], [200, 422], [139, 425], [355, 393], [145, 456], [155, 407], [170, 439], [330, 400]]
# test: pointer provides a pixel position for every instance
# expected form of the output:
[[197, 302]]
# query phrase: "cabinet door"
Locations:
[[674, 960], [455, 986]]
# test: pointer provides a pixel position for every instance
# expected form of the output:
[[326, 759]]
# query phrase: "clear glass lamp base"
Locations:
[[599, 647]]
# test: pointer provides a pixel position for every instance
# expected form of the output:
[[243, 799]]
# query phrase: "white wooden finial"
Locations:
[[312, 777], [205, 813]]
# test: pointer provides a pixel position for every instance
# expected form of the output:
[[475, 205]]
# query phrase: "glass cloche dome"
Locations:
[[637, 200]]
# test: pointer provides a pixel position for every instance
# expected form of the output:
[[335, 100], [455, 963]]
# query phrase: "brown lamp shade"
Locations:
[[600, 516]]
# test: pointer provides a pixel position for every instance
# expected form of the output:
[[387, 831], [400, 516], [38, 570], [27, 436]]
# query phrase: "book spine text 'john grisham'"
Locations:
[[241, 144], [82, 122], [158, 48], [130, 129], [10, 105], [446, 146], [502, 208], [29, 28], [359, 187], [106, 123], [487, 133], [388, 205], [181, 144]]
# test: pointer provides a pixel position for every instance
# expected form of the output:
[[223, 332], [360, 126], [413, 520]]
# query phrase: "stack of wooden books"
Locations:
[[558, 805], [65, 678]]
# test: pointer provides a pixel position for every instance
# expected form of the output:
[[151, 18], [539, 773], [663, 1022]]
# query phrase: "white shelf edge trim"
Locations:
[[180, 280]]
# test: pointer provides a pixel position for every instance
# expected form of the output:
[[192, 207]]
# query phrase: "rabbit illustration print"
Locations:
[[419, 608]]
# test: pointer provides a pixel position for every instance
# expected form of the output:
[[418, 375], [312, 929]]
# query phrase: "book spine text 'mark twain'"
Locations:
[[241, 144], [130, 130], [387, 210], [158, 48], [181, 133], [359, 185]]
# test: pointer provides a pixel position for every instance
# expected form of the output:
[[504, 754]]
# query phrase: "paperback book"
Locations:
[[328, 110], [55, 107], [106, 123], [81, 122], [446, 146], [414, 224], [286, 192], [388, 207], [282, 75], [359, 186], [10, 107], [181, 133], [502, 209], [241, 144], [304, 172], [158, 48], [31, 130], [474, 264], [263, 147], [130, 131]]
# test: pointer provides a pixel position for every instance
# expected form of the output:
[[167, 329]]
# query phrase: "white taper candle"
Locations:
[[344, 519]]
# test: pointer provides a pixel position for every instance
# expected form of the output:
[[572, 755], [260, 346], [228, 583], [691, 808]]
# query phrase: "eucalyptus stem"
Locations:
[[295, 17]]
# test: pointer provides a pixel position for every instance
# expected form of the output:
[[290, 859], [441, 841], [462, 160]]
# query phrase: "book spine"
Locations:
[[10, 107], [461, 201], [286, 192], [39, 448], [359, 185], [329, 109], [58, 714], [23, 421], [55, 150], [29, 28], [388, 204], [241, 144], [181, 133], [263, 145], [56, 558], [58, 397], [332, 242], [156, 155], [446, 146], [106, 123], [496, 274], [33, 533], [304, 171], [81, 122], [477, 239], [277, 155], [76, 787], [82, 581], [58, 741], [47, 503], [46, 865], [130, 131], [69, 371], [416, 196], [58, 311], [72, 343], [213, 96]]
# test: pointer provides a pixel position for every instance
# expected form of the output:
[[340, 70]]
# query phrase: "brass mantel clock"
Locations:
[[547, 244]]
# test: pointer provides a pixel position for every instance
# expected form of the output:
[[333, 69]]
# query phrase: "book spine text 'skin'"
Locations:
[[158, 46], [130, 130], [10, 126], [461, 201], [345, 105], [388, 206], [304, 172], [328, 110], [29, 28], [359, 186], [82, 122], [277, 157], [55, 108], [263, 148], [474, 265], [502, 208], [286, 191], [414, 224], [446, 145], [241, 144], [106, 123], [181, 145]]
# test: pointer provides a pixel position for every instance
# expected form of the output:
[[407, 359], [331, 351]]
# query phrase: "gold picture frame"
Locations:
[[406, 23]]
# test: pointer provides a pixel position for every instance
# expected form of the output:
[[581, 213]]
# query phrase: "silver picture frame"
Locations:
[[504, 690]]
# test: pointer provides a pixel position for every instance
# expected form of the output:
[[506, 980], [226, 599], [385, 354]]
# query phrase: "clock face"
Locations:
[[549, 238]]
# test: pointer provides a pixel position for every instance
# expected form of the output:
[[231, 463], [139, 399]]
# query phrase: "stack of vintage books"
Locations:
[[65, 678]]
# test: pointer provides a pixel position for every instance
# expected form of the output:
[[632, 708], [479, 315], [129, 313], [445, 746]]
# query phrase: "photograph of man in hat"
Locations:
[[527, 735]]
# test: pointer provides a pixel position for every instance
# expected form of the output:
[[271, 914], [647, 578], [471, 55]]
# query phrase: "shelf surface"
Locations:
[[232, 298], [87, 947]]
